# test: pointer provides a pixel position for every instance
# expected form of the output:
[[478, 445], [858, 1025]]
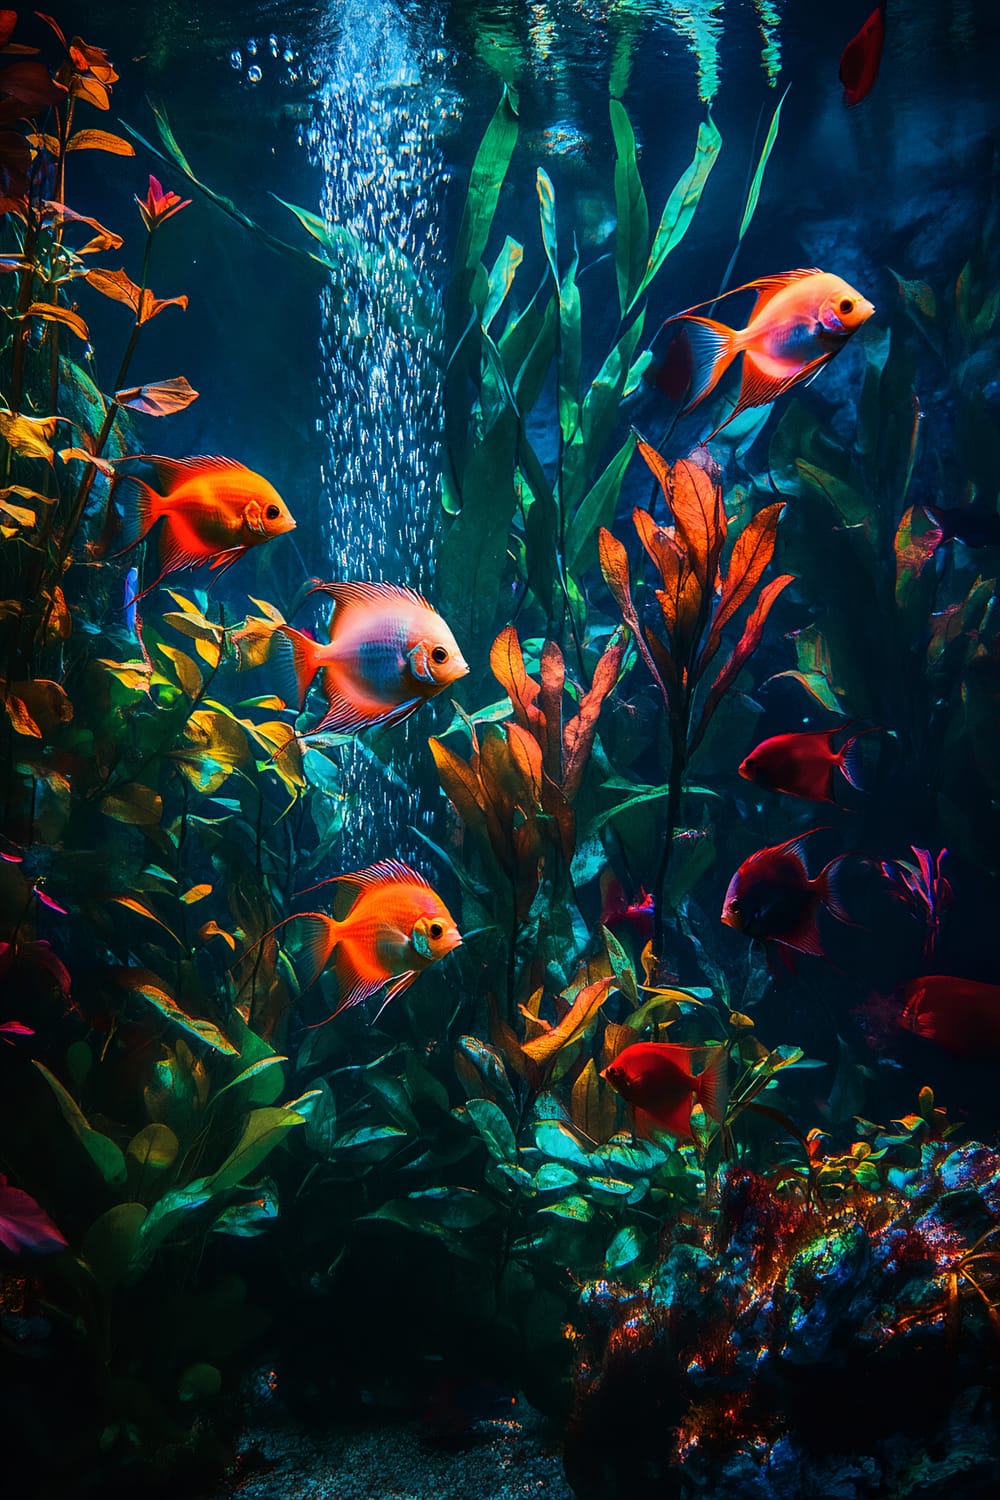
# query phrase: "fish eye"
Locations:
[[439, 655], [846, 305], [436, 930], [734, 907], [273, 512]]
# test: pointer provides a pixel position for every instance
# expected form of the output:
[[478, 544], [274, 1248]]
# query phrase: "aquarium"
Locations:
[[500, 737]]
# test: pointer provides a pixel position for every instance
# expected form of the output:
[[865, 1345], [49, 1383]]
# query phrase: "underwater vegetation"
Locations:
[[581, 1102]]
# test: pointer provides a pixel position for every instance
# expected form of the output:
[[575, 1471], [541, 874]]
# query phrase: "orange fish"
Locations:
[[658, 1080], [804, 764], [800, 320], [213, 510], [961, 1015], [389, 652], [396, 927]]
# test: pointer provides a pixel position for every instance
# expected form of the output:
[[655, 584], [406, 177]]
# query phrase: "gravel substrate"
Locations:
[[510, 1459]]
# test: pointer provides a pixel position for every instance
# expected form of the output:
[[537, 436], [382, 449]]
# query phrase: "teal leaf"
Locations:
[[683, 201], [632, 233], [248, 1220], [559, 1142], [573, 1207], [106, 1155], [264, 1129], [758, 176], [551, 1177], [626, 1247], [494, 1127]]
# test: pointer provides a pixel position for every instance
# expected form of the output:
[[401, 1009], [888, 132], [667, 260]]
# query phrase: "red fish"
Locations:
[[389, 652], [658, 1080], [396, 927], [859, 61], [800, 320], [804, 764], [213, 510], [771, 896], [961, 1015]]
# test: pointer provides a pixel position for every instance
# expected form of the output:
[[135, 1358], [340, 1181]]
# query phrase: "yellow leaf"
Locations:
[[28, 494], [28, 435], [593, 1106], [131, 674], [131, 904], [43, 142], [187, 673], [52, 313], [133, 803], [194, 625], [196, 893], [100, 140], [580, 1017], [19, 513], [102, 464], [212, 929]]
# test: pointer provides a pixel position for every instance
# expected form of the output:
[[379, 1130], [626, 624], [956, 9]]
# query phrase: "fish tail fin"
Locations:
[[142, 507], [850, 761], [713, 346], [329, 924], [827, 886], [295, 657], [712, 1084], [318, 944]]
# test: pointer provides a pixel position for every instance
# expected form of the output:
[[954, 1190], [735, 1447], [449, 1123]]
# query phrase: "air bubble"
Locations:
[[254, 75], [252, 47], [272, 42], [236, 58]]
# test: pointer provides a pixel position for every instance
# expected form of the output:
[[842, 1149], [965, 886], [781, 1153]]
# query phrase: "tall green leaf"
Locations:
[[596, 509], [485, 181], [263, 1130], [106, 1155], [632, 234], [758, 176], [681, 204]]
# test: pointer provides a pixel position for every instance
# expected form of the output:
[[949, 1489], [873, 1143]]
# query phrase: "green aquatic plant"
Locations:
[[501, 501]]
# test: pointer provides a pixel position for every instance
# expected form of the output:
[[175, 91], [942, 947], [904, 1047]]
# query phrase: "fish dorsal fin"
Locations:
[[358, 595], [175, 471], [385, 872], [766, 287]]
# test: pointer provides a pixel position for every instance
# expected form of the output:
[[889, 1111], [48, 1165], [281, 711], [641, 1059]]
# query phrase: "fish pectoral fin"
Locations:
[[400, 983], [176, 552], [759, 387], [344, 717]]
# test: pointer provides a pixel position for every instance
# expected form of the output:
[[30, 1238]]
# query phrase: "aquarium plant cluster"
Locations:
[[714, 770]]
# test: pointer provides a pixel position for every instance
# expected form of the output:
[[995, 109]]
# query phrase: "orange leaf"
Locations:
[[616, 1039], [158, 400], [750, 556], [614, 566], [507, 666], [115, 284], [662, 547], [699, 516], [100, 140], [748, 643], [50, 312], [131, 904], [40, 705], [104, 239], [196, 893], [89, 88], [150, 306], [578, 1020], [212, 929], [459, 783], [526, 756], [578, 736], [103, 465]]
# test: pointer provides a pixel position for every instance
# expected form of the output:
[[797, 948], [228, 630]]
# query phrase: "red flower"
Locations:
[[159, 205]]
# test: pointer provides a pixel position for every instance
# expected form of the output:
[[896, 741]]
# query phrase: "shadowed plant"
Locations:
[[698, 597]]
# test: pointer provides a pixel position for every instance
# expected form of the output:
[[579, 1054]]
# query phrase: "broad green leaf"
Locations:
[[264, 1129], [573, 1207], [248, 1220], [445, 1213], [622, 965], [153, 1150], [103, 1152], [632, 233], [166, 1215], [758, 176], [149, 987], [558, 1142], [626, 1247], [110, 1243], [683, 201], [494, 1127], [551, 1177], [253, 1071]]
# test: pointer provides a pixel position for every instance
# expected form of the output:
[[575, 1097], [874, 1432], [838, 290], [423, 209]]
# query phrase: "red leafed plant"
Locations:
[[697, 599], [515, 792]]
